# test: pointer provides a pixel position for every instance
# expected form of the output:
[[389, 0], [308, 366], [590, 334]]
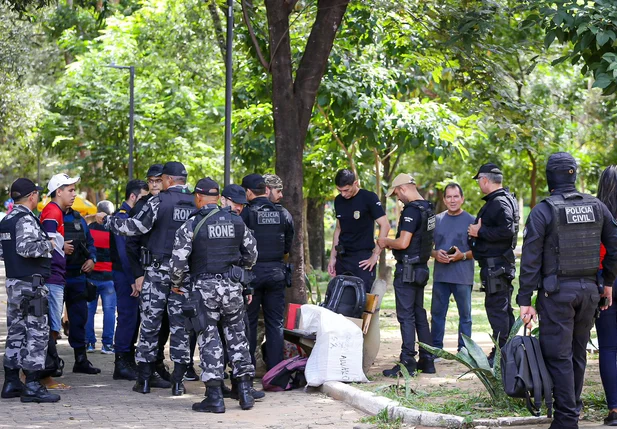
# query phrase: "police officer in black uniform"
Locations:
[[412, 250], [492, 240], [353, 245], [561, 256], [273, 229]]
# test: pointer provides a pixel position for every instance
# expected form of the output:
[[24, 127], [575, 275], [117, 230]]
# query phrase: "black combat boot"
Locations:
[[122, 367], [177, 387], [233, 394], [82, 364], [131, 359], [214, 402], [34, 391], [244, 393], [191, 375], [157, 380], [411, 367], [162, 371], [227, 392], [257, 394], [144, 372], [12, 384], [426, 365]]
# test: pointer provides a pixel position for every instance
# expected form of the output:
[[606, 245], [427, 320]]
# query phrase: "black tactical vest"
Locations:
[[572, 245], [18, 267], [175, 208], [268, 225], [75, 231], [216, 246], [422, 240]]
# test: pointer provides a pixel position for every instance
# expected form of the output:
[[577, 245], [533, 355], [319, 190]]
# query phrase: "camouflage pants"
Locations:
[[224, 301], [156, 298], [27, 337]]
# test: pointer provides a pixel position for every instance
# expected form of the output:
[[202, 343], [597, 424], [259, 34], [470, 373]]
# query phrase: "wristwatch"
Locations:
[[464, 256]]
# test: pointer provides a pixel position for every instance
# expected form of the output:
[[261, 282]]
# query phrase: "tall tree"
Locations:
[[294, 90]]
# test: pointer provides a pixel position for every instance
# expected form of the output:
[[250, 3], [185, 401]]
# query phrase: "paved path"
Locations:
[[101, 402]]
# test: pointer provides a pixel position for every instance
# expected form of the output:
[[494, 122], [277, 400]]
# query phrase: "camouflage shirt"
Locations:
[[183, 246], [31, 240], [141, 224]]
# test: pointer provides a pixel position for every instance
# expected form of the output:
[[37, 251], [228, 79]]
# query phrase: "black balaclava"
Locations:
[[561, 172]]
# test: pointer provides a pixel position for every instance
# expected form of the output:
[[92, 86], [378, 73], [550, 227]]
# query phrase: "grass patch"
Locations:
[[453, 401], [382, 421]]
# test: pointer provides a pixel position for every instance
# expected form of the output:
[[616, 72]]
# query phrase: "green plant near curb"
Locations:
[[382, 420], [473, 357]]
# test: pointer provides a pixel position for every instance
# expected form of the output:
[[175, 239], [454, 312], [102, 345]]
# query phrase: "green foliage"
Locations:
[[473, 357], [178, 101], [591, 28]]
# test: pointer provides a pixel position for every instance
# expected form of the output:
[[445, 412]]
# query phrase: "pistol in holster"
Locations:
[[495, 277], [194, 313], [340, 250], [145, 257], [34, 302], [412, 273]]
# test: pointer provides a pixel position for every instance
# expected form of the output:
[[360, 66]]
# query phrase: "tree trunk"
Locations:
[[533, 179], [315, 213], [292, 106]]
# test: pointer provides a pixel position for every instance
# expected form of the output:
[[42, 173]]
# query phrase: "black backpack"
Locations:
[[345, 295], [524, 374]]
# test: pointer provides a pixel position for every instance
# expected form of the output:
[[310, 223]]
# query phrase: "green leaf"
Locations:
[[550, 37], [602, 81], [602, 37]]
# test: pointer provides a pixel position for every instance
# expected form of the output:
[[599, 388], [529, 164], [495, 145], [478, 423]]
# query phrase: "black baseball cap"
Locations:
[[206, 186], [488, 168], [155, 170], [235, 193], [22, 187], [174, 168], [253, 181]]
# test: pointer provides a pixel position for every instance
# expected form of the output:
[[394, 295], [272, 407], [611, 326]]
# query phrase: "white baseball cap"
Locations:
[[59, 180]]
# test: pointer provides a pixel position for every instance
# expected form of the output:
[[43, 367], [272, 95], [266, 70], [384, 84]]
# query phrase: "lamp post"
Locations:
[[228, 87], [131, 70]]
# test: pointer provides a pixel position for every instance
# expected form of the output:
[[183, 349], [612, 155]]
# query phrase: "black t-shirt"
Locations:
[[357, 217], [411, 219]]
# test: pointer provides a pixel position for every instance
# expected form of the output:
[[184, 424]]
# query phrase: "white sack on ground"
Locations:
[[337, 355]]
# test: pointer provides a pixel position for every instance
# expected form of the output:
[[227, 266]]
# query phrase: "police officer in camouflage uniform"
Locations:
[[162, 215], [214, 246], [134, 246], [26, 250], [561, 256]]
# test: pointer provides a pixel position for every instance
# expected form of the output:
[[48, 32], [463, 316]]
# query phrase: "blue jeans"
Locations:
[[55, 302], [105, 290], [606, 325], [439, 310]]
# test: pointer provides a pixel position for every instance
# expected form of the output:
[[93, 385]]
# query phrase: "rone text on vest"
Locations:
[[224, 230]]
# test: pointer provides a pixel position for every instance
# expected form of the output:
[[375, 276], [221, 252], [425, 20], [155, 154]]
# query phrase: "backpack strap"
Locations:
[[535, 374], [547, 381], [201, 222]]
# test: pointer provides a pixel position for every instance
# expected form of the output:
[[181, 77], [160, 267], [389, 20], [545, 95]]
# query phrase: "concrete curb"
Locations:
[[372, 404]]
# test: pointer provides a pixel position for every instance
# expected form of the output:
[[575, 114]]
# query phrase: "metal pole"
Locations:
[[131, 119], [228, 83]]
